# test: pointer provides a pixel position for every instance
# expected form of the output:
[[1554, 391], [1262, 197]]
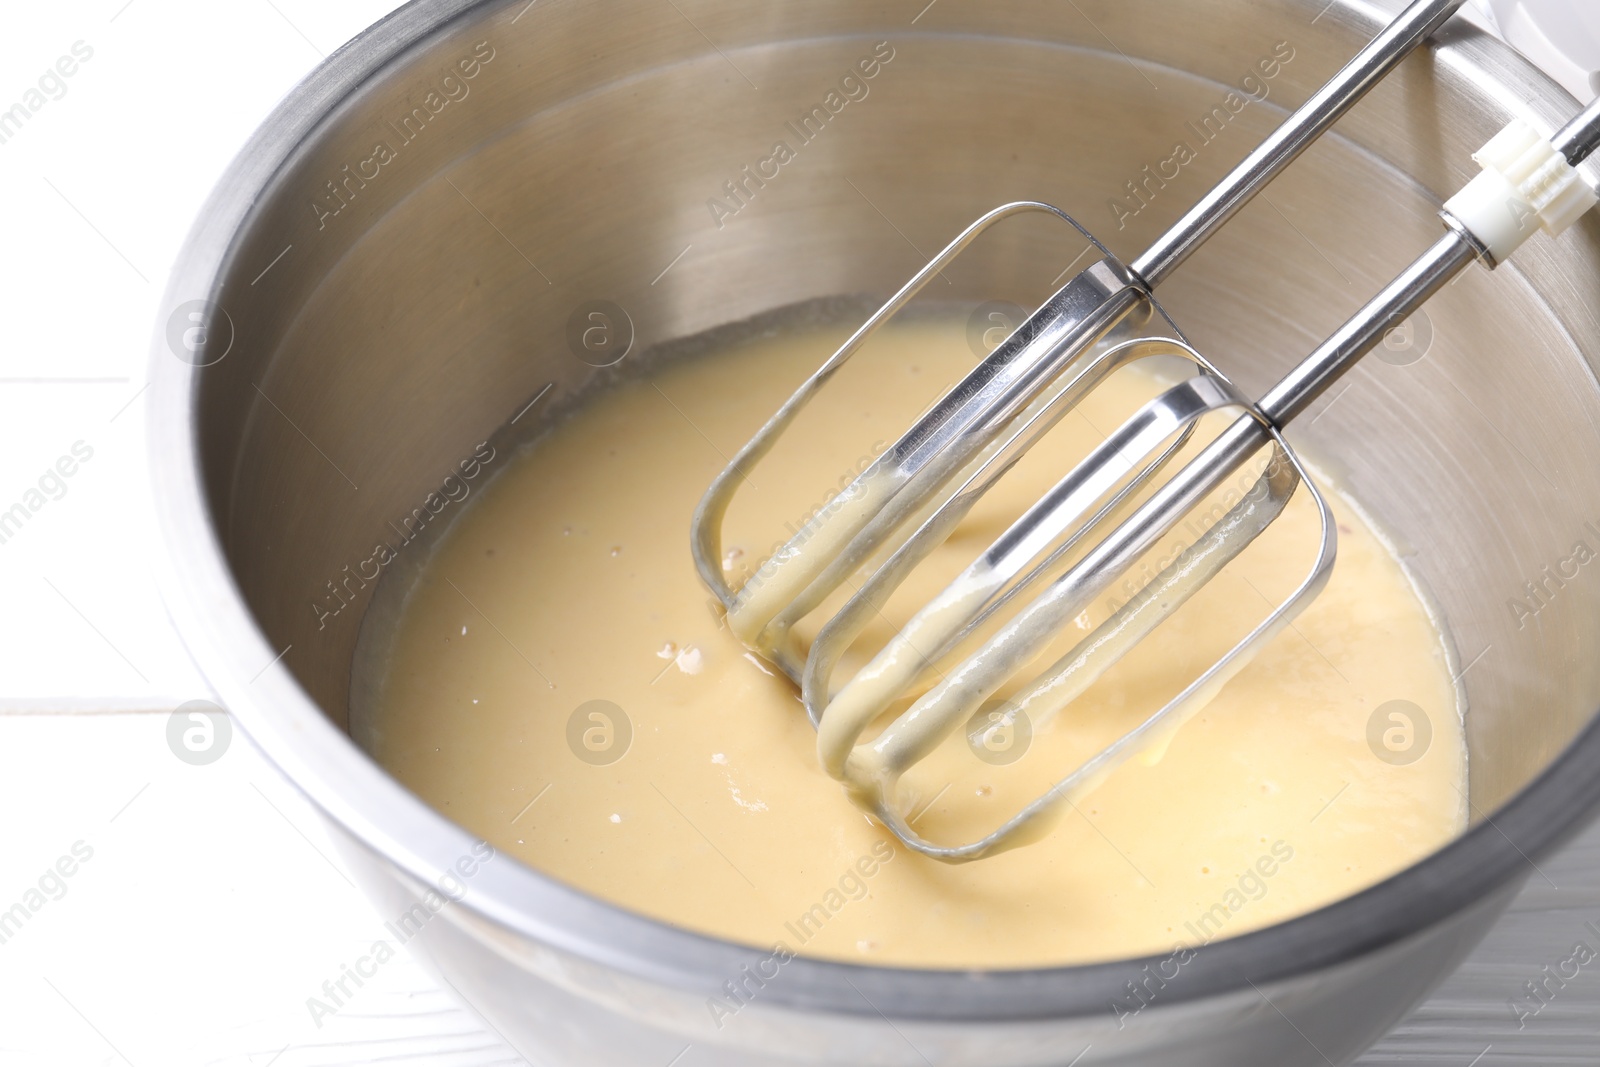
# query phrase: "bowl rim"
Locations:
[[220, 632]]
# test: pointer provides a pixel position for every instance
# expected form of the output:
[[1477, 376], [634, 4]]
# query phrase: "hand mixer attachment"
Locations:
[[1112, 508]]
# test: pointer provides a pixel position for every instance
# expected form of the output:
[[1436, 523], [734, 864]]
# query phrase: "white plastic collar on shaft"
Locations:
[[1525, 185]]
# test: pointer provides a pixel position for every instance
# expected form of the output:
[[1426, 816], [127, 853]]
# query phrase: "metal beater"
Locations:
[[914, 496]]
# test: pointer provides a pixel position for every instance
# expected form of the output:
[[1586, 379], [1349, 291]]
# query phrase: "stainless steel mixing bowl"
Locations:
[[387, 274]]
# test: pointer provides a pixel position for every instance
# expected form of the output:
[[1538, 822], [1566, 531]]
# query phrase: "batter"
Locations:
[[561, 684]]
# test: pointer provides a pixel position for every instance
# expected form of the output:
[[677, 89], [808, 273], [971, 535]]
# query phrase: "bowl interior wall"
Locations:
[[426, 292]]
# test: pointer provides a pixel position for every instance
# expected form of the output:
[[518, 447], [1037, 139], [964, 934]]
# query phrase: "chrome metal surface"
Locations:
[[1432, 271], [948, 704], [1365, 330], [866, 519], [1577, 139], [401, 331], [964, 422], [1285, 144]]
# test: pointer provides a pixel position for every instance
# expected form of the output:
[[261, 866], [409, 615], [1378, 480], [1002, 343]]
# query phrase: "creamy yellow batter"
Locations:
[[561, 684]]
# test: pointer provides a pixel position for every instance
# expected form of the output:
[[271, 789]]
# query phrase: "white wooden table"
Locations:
[[208, 908]]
